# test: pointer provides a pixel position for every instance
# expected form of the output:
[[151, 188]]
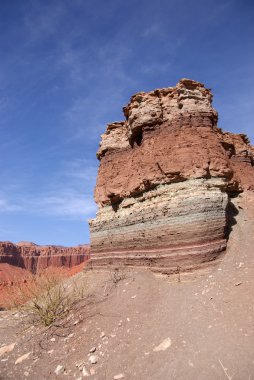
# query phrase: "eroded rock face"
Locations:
[[241, 155], [35, 257], [163, 182]]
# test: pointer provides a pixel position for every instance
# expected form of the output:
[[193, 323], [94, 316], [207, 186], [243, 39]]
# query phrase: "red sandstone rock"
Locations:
[[146, 217], [34, 257], [170, 135], [241, 155], [10, 274]]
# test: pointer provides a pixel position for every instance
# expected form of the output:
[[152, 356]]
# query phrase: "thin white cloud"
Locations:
[[66, 204], [71, 194], [105, 69], [216, 13], [7, 206], [161, 67], [68, 195], [81, 169], [42, 20], [95, 112], [153, 30]]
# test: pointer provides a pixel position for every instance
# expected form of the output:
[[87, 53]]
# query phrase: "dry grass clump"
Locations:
[[45, 298]]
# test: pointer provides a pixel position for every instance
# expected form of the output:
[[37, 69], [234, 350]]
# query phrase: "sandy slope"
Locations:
[[10, 273], [205, 321]]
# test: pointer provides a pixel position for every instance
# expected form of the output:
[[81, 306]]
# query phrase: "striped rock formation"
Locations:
[[35, 257], [163, 182]]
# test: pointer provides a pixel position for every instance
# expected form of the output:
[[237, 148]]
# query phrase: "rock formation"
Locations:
[[163, 182], [35, 257]]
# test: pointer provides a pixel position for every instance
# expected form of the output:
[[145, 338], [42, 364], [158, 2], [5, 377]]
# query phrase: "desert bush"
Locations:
[[50, 305], [46, 297], [16, 294]]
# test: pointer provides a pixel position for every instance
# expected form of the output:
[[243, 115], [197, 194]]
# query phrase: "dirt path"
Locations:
[[147, 327]]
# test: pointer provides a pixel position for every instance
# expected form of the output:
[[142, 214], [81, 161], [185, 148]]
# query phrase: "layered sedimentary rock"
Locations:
[[241, 155], [35, 257], [163, 182]]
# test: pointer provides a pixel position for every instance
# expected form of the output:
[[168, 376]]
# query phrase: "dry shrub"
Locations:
[[18, 293], [45, 298]]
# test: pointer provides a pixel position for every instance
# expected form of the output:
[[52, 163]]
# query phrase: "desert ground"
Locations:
[[135, 324]]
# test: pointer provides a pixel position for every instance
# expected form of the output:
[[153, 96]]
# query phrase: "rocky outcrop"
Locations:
[[35, 257], [163, 183], [241, 155]]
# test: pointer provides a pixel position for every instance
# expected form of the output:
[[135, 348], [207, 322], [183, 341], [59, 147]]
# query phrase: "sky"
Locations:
[[67, 67]]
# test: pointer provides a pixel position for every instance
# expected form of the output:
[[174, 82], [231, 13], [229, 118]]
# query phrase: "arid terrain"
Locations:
[[35, 258], [167, 292], [139, 325], [15, 282]]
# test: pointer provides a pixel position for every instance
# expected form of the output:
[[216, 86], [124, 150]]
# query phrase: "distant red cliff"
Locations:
[[35, 257]]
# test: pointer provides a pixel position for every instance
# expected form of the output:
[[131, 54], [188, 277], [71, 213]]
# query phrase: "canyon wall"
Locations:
[[35, 257], [164, 182]]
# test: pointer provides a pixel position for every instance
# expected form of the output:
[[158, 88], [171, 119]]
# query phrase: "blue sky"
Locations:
[[66, 69]]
